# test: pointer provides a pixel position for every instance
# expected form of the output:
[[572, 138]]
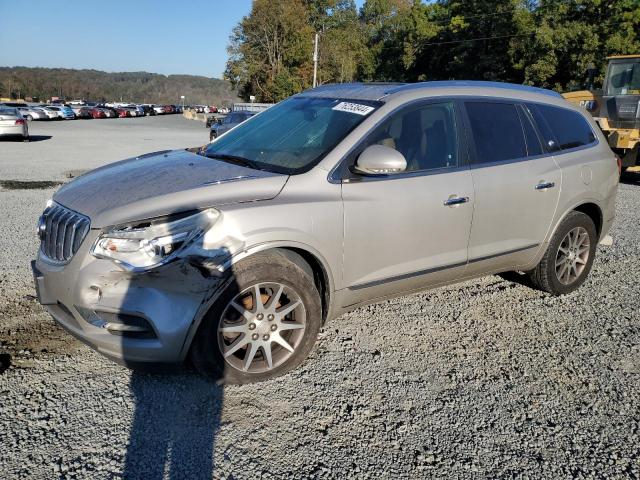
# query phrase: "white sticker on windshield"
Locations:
[[356, 108]]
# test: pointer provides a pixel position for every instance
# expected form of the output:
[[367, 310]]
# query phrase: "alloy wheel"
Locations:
[[261, 327], [572, 256]]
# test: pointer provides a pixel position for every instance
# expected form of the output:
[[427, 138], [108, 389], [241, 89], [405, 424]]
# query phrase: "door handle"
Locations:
[[545, 185], [451, 201]]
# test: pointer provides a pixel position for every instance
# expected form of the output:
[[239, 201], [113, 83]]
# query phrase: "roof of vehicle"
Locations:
[[378, 91]]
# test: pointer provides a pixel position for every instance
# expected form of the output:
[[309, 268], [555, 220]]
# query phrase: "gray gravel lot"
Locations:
[[485, 379]]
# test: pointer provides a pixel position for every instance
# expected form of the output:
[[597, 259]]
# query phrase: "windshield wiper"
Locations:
[[245, 162]]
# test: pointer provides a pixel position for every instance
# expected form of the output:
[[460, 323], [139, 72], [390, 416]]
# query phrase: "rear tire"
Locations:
[[569, 256], [282, 284]]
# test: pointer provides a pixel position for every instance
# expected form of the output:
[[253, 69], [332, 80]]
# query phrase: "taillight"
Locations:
[[619, 161], [20, 121]]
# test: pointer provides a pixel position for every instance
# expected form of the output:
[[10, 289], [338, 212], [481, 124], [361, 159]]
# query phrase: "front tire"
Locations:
[[264, 323], [569, 256]]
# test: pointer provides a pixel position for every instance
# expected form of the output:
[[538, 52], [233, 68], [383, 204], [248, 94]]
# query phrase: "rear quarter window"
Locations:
[[565, 128], [496, 130]]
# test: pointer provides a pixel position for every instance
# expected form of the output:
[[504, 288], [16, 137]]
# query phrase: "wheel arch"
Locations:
[[593, 211], [589, 207], [296, 252]]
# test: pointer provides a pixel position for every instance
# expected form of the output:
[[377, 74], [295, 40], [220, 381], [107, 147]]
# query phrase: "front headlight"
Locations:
[[143, 245]]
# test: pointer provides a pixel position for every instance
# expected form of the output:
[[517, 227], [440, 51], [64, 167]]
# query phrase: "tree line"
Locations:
[[546, 43], [96, 85]]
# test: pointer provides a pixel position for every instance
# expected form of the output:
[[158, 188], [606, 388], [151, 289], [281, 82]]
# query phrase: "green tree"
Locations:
[[270, 50], [342, 42], [548, 43]]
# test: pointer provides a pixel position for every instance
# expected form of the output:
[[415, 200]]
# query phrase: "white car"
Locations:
[[63, 112], [50, 113], [158, 109], [12, 123], [33, 113]]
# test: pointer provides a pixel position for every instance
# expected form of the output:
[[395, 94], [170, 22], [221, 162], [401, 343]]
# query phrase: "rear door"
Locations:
[[517, 184]]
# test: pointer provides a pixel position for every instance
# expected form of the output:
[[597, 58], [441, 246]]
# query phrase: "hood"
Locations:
[[164, 182]]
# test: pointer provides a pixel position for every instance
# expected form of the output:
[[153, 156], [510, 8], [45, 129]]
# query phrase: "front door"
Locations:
[[405, 231]]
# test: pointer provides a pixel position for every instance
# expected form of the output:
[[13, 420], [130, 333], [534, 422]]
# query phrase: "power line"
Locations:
[[467, 17], [478, 39]]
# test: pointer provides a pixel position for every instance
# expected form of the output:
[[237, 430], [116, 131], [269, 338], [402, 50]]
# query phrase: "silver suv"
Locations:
[[336, 197]]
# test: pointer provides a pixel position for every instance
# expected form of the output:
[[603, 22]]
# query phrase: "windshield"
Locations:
[[294, 135], [624, 79]]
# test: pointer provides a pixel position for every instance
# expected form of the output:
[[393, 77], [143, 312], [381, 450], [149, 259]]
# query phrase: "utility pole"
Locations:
[[315, 61]]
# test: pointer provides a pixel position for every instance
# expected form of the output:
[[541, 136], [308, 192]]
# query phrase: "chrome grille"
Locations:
[[61, 233]]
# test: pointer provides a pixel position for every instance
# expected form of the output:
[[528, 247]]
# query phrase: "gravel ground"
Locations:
[[485, 379]]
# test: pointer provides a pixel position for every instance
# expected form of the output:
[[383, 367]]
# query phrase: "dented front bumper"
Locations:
[[142, 317]]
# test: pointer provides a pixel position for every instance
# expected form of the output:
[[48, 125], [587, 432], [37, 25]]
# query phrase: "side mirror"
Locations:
[[380, 160]]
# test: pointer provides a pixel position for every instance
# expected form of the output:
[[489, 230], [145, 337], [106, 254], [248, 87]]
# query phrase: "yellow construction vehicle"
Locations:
[[616, 108]]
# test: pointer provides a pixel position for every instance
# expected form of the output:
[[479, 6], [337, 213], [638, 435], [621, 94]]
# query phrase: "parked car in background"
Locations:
[[32, 113], [211, 119], [133, 112], [122, 112], [13, 124], [50, 113], [148, 109], [110, 112], [233, 119], [64, 112], [97, 113], [159, 109], [81, 111]]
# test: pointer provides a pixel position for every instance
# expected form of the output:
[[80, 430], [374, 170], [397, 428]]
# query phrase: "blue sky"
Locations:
[[160, 36]]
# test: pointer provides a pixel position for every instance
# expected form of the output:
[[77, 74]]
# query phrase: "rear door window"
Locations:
[[496, 130], [565, 128]]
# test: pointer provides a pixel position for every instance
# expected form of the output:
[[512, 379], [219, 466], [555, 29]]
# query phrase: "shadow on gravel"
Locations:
[[177, 412], [174, 426], [520, 278], [5, 362], [630, 178], [39, 138]]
